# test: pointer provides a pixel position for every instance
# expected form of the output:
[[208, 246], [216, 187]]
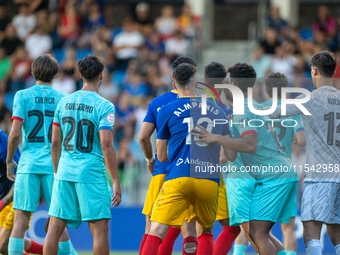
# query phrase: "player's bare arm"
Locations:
[[145, 143], [162, 150], [56, 147], [109, 153], [301, 138], [246, 144], [9, 197], [13, 141], [223, 158]]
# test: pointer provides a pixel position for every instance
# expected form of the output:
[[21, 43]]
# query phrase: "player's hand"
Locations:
[[10, 170], [150, 166], [203, 135], [117, 194]]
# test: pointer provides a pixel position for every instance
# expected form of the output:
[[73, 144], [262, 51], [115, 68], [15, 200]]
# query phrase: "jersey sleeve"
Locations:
[[240, 123], [162, 127], [57, 119], [18, 107], [150, 117], [299, 125], [107, 118]]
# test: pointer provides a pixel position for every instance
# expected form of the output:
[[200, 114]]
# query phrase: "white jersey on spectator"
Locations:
[[322, 129]]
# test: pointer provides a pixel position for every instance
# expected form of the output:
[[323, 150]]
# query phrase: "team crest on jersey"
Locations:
[[110, 118]]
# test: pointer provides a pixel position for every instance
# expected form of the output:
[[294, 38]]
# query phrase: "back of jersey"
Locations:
[[187, 157], [35, 107], [286, 132], [322, 130], [81, 116]]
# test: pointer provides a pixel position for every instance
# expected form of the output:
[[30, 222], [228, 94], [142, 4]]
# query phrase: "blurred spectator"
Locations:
[[5, 116], [95, 18], [4, 20], [154, 44], [260, 62], [24, 22], [11, 41], [38, 43], [101, 44], [108, 89], [124, 159], [283, 63], [142, 14], [165, 24], [336, 76], [125, 116], [126, 44], [85, 7], [177, 46], [5, 65], [275, 21], [64, 82], [21, 69], [187, 22], [70, 65], [325, 26], [136, 88], [302, 78], [46, 21], [35, 5], [69, 28], [271, 41]]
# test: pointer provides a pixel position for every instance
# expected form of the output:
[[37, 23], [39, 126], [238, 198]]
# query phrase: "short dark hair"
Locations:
[[215, 70], [325, 62], [90, 67], [183, 74], [183, 59], [275, 80], [44, 68], [243, 75]]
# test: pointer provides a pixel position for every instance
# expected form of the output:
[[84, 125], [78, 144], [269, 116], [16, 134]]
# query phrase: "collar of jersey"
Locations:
[[43, 86], [188, 96], [174, 91]]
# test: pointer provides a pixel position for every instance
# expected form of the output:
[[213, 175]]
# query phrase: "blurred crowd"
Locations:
[[138, 57]]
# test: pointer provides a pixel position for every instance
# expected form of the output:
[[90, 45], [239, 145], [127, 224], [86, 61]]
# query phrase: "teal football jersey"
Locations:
[[286, 134], [269, 164], [81, 116], [35, 107]]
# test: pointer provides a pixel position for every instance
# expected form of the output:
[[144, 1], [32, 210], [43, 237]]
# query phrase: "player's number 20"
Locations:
[[191, 125]]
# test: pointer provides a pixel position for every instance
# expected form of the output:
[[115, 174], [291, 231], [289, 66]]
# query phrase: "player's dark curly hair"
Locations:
[[275, 80], [215, 70], [44, 68], [90, 67], [183, 74], [243, 75], [183, 59], [325, 62]]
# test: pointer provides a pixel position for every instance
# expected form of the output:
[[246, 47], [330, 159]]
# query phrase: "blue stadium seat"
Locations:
[[118, 77], [307, 34], [59, 55], [116, 31], [82, 53]]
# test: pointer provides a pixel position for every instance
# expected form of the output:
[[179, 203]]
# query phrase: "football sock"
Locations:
[[151, 245], [142, 243], [73, 251], [2, 205], [337, 249], [205, 244], [291, 253], [16, 246], [36, 248], [283, 252], [191, 250], [64, 248], [239, 249], [225, 240], [313, 247], [169, 241]]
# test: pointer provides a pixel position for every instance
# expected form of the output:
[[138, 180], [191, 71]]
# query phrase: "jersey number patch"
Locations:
[[33, 135], [80, 135]]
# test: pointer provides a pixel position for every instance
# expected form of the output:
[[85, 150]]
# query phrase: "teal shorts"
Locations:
[[239, 196], [27, 190], [274, 203], [77, 202]]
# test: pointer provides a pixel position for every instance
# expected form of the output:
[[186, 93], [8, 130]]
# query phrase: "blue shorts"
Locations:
[[77, 202], [274, 203], [239, 194], [27, 190]]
